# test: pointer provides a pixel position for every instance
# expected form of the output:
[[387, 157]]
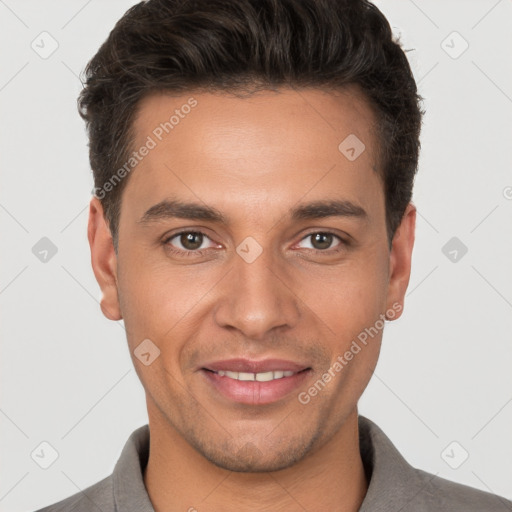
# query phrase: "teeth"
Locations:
[[265, 377], [261, 377]]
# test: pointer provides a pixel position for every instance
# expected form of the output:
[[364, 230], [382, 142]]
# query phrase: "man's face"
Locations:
[[261, 283]]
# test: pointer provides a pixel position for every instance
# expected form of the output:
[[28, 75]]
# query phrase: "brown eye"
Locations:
[[187, 242], [191, 240], [322, 241]]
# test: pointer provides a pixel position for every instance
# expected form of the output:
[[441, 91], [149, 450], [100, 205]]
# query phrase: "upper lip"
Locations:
[[252, 366]]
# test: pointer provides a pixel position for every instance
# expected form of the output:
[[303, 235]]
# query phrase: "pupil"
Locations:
[[188, 238], [324, 240]]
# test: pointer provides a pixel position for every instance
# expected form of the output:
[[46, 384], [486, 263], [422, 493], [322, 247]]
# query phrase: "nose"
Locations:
[[257, 297]]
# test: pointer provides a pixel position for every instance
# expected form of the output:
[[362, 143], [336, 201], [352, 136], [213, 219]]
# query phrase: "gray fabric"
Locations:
[[395, 486]]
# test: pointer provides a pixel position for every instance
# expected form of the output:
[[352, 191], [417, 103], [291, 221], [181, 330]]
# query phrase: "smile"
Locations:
[[255, 388], [260, 377]]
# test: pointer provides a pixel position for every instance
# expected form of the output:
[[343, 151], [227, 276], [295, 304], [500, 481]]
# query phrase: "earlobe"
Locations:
[[103, 260], [400, 261]]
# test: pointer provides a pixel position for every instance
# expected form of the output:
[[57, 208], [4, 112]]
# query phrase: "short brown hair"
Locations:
[[178, 46]]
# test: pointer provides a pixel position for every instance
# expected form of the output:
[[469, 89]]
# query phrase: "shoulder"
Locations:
[[99, 496], [437, 493], [395, 485], [122, 490]]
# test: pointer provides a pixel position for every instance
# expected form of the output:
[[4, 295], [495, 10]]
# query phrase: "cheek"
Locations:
[[350, 298], [161, 302], [166, 303], [150, 300]]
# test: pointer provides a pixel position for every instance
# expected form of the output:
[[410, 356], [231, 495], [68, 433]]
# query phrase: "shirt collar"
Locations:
[[393, 483], [130, 493]]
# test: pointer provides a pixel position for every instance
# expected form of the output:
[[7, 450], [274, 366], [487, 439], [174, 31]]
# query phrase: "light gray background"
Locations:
[[445, 368]]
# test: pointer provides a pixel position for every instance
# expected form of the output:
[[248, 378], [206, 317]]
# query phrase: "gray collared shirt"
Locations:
[[394, 485]]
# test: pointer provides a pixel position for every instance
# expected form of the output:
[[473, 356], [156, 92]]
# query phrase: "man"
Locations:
[[252, 218]]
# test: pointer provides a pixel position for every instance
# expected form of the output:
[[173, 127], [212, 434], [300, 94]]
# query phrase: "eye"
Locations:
[[322, 241], [190, 241]]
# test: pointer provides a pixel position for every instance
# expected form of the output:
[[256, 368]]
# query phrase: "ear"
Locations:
[[400, 259], [103, 260]]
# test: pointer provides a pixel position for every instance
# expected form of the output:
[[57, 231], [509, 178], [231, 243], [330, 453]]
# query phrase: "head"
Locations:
[[253, 166]]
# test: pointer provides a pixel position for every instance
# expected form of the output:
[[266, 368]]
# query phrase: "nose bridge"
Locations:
[[255, 298]]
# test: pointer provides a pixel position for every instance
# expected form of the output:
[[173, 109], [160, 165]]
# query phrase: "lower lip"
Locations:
[[255, 392]]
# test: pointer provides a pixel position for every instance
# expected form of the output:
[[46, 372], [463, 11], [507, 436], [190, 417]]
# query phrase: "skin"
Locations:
[[253, 159]]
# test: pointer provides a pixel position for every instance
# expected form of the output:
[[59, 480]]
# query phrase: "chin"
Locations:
[[251, 459]]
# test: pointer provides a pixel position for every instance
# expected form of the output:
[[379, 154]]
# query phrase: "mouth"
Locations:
[[260, 377], [254, 382]]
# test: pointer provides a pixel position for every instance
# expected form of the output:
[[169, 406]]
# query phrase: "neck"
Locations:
[[179, 478]]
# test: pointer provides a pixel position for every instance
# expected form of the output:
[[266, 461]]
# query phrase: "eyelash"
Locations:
[[192, 253]]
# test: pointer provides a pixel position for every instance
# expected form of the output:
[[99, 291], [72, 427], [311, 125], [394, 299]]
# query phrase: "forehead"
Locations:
[[256, 152]]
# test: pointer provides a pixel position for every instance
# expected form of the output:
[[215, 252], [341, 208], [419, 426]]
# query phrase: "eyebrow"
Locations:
[[173, 208]]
